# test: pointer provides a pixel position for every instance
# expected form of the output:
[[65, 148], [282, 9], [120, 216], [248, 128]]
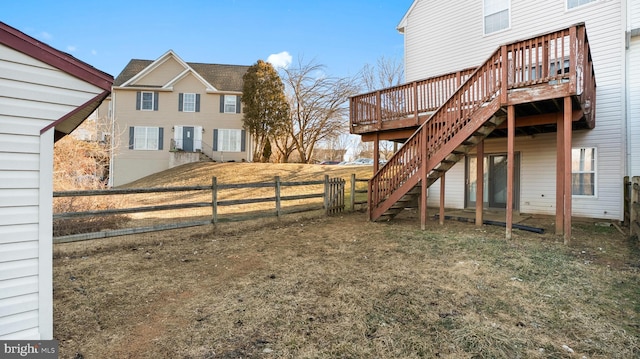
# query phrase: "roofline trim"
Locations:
[[26, 44], [184, 73], [99, 98]]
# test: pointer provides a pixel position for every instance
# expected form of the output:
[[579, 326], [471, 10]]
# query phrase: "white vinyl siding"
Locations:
[[32, 96], [435, 32]]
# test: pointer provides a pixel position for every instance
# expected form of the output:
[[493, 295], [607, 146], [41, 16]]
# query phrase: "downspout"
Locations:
[[627, 111], [112, 139], [626, 11]]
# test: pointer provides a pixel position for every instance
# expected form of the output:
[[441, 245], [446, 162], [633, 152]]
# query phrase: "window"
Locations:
[[583, 171], [496, 15], [229, 104], [575, 3], [229, 140], [145, 138], [189, 102], [147, 101]]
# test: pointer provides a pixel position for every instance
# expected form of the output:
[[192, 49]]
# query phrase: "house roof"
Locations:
[[222, 77], [24, 43], [403, 22]]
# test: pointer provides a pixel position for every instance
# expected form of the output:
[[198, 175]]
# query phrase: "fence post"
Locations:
[[214, 199], [277, 178], [634, 224], [626, 189], [353, 192], [326, 192]]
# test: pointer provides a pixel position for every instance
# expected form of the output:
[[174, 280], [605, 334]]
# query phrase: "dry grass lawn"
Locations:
[[309, 286]]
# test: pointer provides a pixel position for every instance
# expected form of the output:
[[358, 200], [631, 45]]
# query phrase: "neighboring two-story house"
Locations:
[[167, 112], [536, 78]]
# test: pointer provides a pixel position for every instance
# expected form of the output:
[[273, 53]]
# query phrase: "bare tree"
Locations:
[[387, 72], [318, 106]]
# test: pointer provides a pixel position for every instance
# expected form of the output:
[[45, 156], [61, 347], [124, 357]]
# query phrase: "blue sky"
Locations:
[[342, 35]]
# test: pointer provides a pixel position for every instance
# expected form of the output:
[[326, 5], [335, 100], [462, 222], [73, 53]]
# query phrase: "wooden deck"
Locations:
[[540, 72], [542, 84]]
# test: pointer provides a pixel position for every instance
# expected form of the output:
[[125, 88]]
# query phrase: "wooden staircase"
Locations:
[[472, 111], [411, 198]]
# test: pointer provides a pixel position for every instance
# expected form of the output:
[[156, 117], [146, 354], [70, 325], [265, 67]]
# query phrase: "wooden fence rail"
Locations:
[[333, 195]]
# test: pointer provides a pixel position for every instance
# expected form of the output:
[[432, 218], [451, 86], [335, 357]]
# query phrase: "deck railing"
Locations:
[[410, 100], [559, 58]]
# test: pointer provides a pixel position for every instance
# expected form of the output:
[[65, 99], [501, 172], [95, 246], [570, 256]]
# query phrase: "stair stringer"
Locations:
[[454, 149]]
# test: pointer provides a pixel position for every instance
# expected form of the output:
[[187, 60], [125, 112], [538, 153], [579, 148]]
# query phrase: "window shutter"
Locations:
[[221, 103], [215, 140], [160, 137], [138, 99], [243, 140], [237, 104], [131, 135], [155, 101], [197, 102], [180, 100]]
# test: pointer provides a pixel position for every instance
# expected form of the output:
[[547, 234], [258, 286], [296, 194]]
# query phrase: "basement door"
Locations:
[[495, 181]]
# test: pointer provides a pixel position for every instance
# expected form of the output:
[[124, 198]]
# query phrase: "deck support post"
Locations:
[[480, 184], [511, 122], [441, 216], [567, 169], [560, 175], [376, 153]]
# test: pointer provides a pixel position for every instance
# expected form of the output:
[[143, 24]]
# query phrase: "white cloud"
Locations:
[[46, 36], [280, 60], [71, 48], [94, 52]]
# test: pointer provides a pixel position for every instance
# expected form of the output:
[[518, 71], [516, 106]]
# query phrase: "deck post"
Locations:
[[504, 76], [376, 153], [560, 175], [511, 114], [480, 184], [441, 216], [567, 169], [378, 110]]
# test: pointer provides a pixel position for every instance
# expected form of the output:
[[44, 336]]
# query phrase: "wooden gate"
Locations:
[[334, 195]]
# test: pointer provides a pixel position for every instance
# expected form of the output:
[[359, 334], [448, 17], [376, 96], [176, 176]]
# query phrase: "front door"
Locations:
[[495, 181], [187, 139]]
